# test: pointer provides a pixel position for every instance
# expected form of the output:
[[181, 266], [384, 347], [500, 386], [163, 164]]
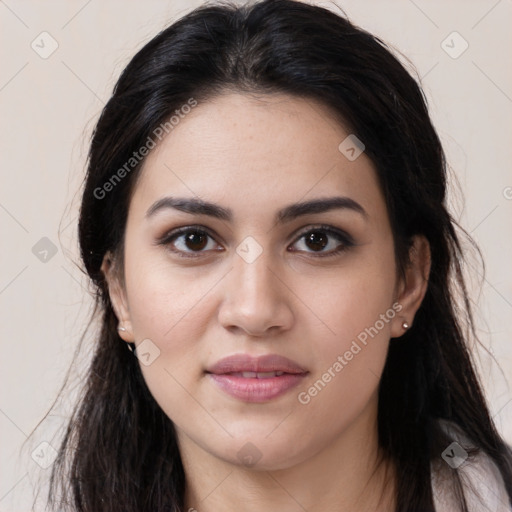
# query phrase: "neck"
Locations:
[[344, 476]]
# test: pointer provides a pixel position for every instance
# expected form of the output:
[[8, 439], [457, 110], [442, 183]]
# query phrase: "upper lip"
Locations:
[[248, 363]]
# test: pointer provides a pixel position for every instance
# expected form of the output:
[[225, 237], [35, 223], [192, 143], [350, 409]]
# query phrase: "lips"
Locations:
[[256, 379], [239, 363]]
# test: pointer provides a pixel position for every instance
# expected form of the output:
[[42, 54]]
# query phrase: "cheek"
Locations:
[[175, 325], [162, 296], [358, 309], [352, 299], [348, 365], [169, 312]]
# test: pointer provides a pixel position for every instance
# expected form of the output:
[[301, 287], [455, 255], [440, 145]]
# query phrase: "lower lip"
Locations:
[[256, 390]]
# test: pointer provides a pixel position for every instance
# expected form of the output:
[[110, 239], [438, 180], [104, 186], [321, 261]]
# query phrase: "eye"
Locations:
[[187, 241], [318, 241], [325, 241]]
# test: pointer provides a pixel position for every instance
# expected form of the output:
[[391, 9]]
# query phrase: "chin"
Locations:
[[259, 453]]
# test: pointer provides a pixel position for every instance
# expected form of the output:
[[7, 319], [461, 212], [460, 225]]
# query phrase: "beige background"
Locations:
[[49, 106]]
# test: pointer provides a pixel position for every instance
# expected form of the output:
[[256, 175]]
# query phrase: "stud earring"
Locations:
[[405, 325], [121, 328]]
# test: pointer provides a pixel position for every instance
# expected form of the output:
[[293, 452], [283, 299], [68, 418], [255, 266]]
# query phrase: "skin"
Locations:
[[256, 155]]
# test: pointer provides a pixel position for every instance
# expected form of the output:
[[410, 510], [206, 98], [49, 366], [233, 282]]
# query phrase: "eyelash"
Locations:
[[345, 239]]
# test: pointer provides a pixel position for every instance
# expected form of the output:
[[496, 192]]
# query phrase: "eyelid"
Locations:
[[171, 234], [328, 229]]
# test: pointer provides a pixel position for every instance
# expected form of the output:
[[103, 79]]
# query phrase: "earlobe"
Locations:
[[117, 297], [413, 286]]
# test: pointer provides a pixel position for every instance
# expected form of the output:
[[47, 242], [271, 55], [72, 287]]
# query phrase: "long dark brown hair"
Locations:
[[119, 451]]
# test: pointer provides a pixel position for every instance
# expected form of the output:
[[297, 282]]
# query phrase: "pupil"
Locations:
[[315, 238], [196, 240]]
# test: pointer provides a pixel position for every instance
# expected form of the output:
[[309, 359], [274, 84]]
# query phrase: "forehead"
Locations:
[[262, 149]]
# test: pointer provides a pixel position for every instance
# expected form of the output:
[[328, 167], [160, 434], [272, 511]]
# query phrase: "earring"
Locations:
[[405, 325], [131, 346]]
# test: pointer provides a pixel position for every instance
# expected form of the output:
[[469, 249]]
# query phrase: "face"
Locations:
[[261, 280]]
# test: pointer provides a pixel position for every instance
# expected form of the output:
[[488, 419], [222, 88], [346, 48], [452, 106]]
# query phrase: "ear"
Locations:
[[117, 295], [413, 286]]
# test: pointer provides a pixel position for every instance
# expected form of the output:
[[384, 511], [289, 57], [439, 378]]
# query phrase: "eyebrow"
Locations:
[[199, 207]]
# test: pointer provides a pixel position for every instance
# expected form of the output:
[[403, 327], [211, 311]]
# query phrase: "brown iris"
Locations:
[[196, 240], [316, 240]]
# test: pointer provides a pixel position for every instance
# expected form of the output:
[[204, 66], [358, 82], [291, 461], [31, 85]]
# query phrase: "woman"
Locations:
[[264, 220]]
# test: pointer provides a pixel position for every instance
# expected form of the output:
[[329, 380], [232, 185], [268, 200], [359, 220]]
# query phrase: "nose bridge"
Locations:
[[255, 299], [253, 274]]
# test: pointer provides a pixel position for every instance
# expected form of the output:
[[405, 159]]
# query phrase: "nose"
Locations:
[[256, 299]]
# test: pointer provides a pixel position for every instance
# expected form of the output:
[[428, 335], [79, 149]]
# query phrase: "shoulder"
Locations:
[[481, 479]]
